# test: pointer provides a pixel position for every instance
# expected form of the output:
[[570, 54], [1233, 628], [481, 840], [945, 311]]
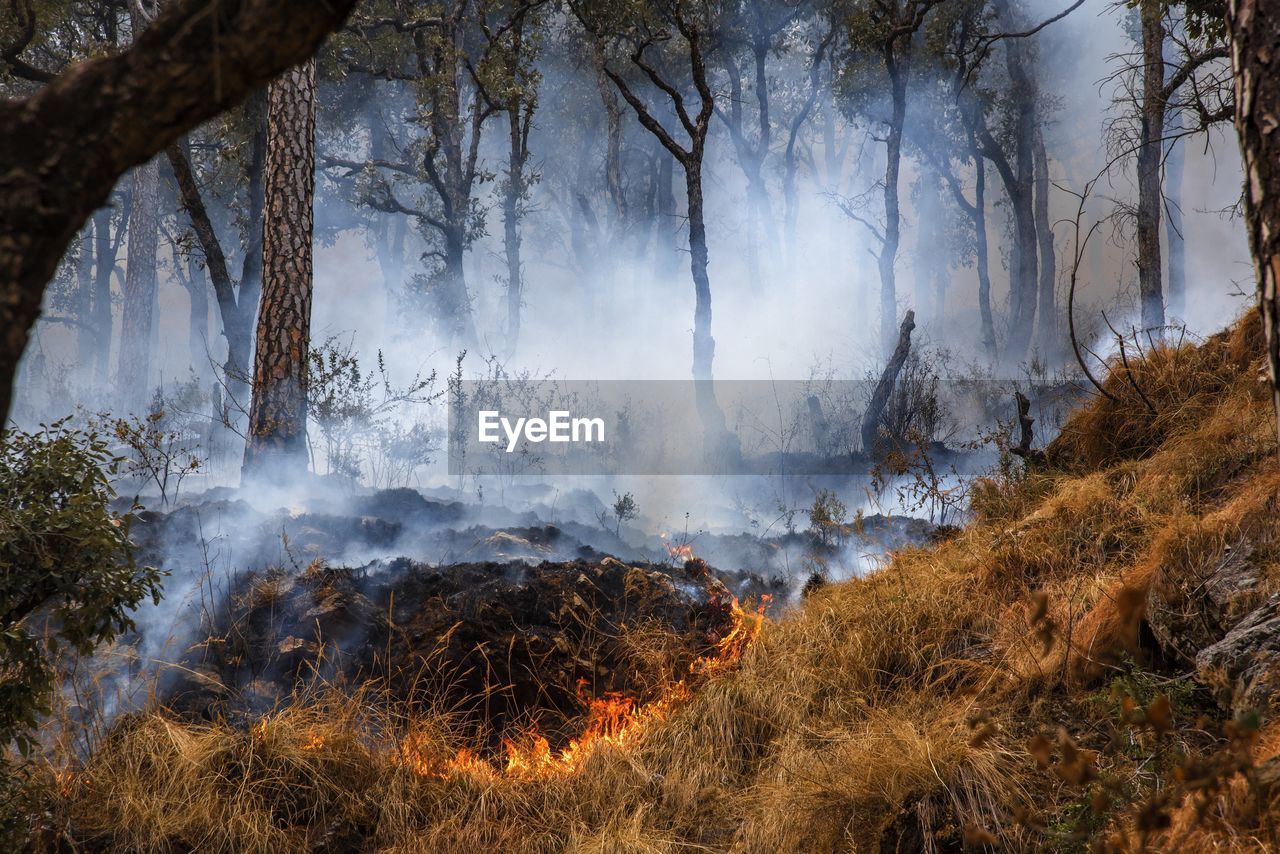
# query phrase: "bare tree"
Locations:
[[886, 29], [685, 27]]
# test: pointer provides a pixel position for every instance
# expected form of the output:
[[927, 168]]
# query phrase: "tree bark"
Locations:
[[884, 386], [1047, 323], [133, 365], [276, 445], [1150, 148], [65, 147], [1254, 28], [664, 242]]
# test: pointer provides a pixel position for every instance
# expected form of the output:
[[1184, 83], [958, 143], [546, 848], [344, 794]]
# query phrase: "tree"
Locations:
[[1162, 78], [66, 145], [276, 444], [457, 59], [945, 134], [684, 28], [133, 369], [751, 31], [1254, 29], [886, 31], [237, 300], [822, 43]]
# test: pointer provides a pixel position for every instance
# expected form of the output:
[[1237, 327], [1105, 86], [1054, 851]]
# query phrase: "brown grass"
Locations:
[[888, 713]]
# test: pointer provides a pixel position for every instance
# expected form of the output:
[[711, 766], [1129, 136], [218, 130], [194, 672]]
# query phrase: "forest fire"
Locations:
[[613, 720]]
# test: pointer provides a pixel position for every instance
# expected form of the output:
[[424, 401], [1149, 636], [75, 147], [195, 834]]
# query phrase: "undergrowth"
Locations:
[[997, 690]]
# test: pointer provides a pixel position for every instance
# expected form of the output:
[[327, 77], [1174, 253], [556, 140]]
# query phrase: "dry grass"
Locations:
[[888, 713]]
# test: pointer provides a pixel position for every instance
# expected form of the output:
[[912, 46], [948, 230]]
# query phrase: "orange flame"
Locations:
[[679, 552], [613, 720]]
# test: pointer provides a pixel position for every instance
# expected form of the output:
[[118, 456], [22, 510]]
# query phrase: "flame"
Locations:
[[613, 720], [315, 741], [65, 779], [682, 551]]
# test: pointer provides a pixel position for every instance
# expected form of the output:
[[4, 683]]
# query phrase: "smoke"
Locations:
[[605, 299]]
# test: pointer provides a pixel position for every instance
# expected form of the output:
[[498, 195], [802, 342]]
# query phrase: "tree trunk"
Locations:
[[133, 366], [104, 252], [1255, 51], [719, 443], [892, 217], [198, 317], [1019, 179], [981, 260], [82, 307], [66, 146], [1150, 149], [512, 199], [884, 386], [668, 257], [276, 445], [613, 134], [1047, 267], [1175, 239]]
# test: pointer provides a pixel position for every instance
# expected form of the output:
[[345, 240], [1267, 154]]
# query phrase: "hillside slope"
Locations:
[[1091, 661]]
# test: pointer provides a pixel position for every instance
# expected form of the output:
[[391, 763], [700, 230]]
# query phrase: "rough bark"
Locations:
[[512, 209], [1027, 435], [276, 445], [884, 386], [1254, 27], [1150, 148], [613, 132], [64, 148], [1018, 178]]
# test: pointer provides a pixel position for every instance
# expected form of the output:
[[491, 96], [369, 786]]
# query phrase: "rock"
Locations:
[[1243, 668], [1193, 607]]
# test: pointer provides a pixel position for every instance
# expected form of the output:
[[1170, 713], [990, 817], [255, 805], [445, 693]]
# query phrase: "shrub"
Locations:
[[67, 572]]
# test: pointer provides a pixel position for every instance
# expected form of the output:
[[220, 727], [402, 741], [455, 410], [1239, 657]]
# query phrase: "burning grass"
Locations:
[[1000, 689]]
